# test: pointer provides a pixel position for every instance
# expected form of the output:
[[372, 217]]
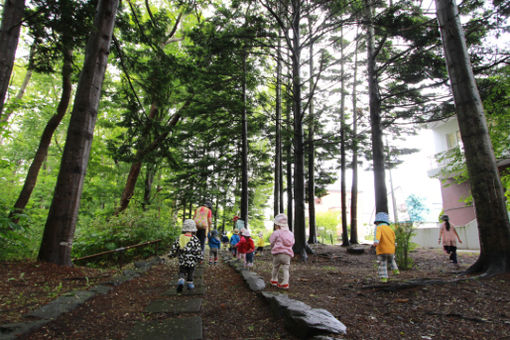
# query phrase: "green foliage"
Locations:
[[15, 240], [403, 233], [326, 226], [129, 228]]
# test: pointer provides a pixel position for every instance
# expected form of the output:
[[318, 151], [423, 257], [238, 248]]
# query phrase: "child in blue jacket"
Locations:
[[233, 241], [214, 246]]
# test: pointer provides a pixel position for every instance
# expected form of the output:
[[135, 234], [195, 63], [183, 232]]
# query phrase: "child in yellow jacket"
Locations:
[[384, 246]]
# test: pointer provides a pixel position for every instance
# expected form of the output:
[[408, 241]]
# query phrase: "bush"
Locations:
[[129, 228], [403, 233], [326, 226]]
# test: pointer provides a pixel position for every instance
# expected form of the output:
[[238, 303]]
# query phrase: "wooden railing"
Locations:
[[120, 250]]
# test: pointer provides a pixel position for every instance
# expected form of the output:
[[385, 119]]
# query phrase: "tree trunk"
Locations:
[[134, 172], [278, 132], [44, 143], [299, 155], [10, 109], [343, 194], [288, 152], [61, 223], [9, 35], [381, 199], [488, 196], [244, 150], [312, 234], [354, 184]]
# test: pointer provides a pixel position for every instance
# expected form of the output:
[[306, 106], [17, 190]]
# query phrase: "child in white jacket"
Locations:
[[282, 240]]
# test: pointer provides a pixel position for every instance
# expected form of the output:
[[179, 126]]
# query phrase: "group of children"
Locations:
[[188, 249]]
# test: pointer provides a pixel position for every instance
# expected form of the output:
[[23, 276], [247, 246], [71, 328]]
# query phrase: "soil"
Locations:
[[444, 305]]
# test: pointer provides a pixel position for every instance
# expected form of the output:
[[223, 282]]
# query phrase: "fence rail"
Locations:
[[118, 250]]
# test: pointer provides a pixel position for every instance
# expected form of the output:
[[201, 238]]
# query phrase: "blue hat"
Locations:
[[382, 217]]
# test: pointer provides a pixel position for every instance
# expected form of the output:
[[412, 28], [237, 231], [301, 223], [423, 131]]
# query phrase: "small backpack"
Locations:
[[201, 218]]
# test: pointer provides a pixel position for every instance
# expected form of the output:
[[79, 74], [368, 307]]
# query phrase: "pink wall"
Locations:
[[452, 193]]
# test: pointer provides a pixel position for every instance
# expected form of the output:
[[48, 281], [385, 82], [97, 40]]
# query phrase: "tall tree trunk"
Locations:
[[278, 132], [312, 234], [9, 36], [134, 171], [10, 109], [244, 149], [354, 184], [299, 154], [51, 126], [381, 195], [61, 223], [488, 196], [343, 194], [288, 152]]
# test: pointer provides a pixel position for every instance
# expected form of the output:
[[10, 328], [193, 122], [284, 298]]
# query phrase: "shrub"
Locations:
[[129, 228], [403, 233]]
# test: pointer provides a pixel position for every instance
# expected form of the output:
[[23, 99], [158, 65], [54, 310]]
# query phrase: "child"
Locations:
[[260, 244], [214, 246], [246, 247], [384, 246], [224, 240], [449, 236], [241, 256], [282, 240], [233, 241], [188, 248]]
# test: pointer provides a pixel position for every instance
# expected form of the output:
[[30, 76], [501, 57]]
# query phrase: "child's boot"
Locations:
[[180, 285], [190, 285]]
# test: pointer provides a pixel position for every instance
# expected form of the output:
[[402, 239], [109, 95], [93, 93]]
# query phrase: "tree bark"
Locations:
[[278, 131], [343, 194], [61, 222], [488, 196], [9, 36], [381, 199], [51, 126], [244, 150], [354, 184], [312, 234], [299, 155]]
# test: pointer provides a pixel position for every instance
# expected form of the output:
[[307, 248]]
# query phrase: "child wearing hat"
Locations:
[[282, 240], [187, 247], [384, 246], [246, 247], [214, 246]]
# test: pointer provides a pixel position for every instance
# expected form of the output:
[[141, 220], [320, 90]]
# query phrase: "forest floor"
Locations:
[[431, 301]]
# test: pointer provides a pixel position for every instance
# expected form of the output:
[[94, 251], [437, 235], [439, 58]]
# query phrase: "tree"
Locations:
[[58, 234], [492, 217], [9, 36]]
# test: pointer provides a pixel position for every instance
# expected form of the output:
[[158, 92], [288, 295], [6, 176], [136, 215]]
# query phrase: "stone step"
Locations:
[[189, 328], [199, 290], [184, 305]]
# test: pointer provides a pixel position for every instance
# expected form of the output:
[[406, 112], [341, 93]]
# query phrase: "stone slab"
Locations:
[[255, 281], [175, 329], [199, 290], [191, 305], [63, 304]]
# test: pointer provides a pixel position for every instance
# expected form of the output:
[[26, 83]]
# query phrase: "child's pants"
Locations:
[[385, 260], [213, 255], [281, 261], [248, 261], [186, 273], [452, 250]]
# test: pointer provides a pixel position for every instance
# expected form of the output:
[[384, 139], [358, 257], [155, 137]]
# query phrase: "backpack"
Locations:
[[201, 218]]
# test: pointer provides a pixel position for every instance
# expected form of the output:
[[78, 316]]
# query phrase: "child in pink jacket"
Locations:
[[282, 240]]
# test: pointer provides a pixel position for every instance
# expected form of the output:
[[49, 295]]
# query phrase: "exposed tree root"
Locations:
[[394, 286]]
